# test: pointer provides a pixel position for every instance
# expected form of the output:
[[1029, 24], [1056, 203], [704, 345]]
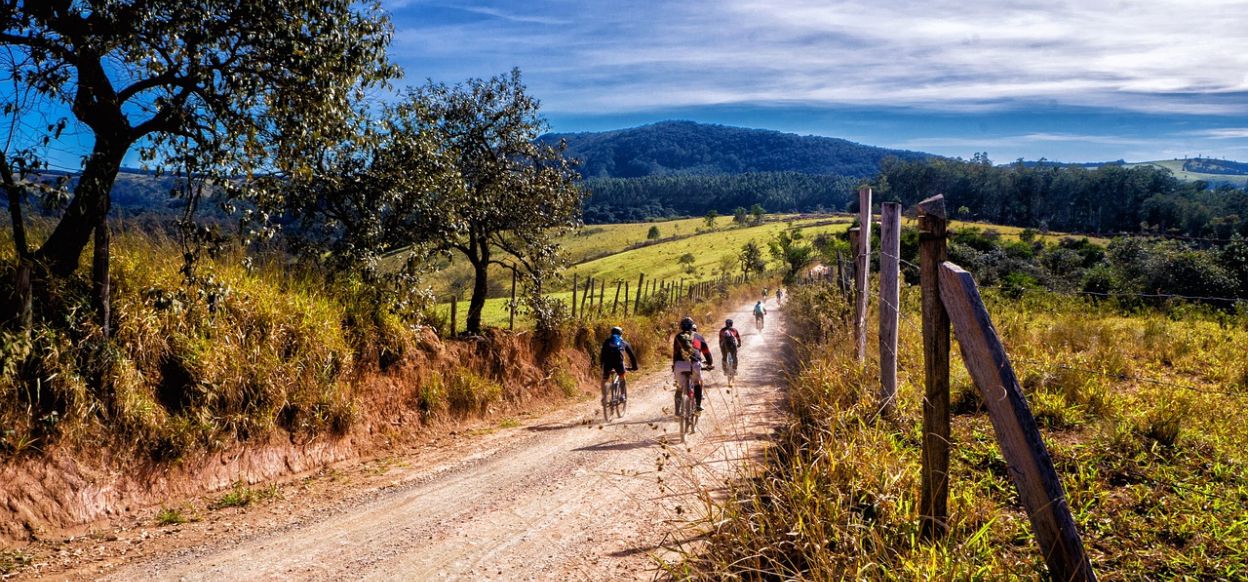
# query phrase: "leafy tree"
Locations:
[[514, 189], [751, 259], [653, 233], [711, 215], [216, 89], [740, 215], [687, 260], [789, 248], [379, 193], [757, 213]]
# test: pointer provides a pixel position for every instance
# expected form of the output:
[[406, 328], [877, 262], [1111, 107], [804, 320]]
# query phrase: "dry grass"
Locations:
[[1154, 473]]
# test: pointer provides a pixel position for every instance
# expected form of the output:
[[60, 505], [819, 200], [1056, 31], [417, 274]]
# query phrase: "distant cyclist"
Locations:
[[766, 292], [729, 341], [759, 313], [779, 295], [689, 354], [613, 351]]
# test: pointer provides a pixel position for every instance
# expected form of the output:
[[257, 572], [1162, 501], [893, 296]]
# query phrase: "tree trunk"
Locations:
[[479, 289], [62, 251], [99, 274]]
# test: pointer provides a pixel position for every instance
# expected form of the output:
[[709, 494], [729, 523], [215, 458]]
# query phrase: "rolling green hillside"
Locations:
[[1191, 170]]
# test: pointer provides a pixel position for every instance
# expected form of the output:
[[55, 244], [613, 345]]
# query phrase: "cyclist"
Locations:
[[613, 351], [766, 291], [779, 295], [689, 351], [759, 313], [729, 341]]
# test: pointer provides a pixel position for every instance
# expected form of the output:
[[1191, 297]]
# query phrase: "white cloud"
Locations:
[[1159, 55]]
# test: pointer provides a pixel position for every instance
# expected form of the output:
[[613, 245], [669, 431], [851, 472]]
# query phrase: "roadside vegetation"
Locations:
[[1137, 404]]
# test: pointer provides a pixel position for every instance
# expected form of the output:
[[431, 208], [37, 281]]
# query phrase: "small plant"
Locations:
[[508, 423], [241, 496], [566, 382], [170, 516], [11, 560]]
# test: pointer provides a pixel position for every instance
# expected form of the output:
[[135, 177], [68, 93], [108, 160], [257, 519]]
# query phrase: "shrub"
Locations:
[[470, 393]]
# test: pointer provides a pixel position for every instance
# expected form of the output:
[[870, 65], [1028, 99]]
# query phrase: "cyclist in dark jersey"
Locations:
[[612, 357], [729, 341]]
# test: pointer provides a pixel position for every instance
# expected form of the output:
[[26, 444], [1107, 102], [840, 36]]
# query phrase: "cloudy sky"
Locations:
[[1073, 81]]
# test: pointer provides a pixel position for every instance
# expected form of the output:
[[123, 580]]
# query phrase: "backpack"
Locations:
[[686, 349], [758, 309], [614, 342], [727, 337]]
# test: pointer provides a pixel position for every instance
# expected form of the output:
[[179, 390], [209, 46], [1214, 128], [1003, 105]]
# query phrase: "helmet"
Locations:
[[617, 330], [686, 324], [728, 322]]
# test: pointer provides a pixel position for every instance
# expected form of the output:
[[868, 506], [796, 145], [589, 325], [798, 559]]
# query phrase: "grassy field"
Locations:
[[714, 251], [1141, 412], [1176, 168]]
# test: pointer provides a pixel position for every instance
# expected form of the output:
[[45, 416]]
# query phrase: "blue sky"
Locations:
[[1072, 81]]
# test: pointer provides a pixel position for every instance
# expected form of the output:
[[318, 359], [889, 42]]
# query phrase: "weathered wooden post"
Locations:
[[934, 495], [863, 272], [586, 295], [641, 279], [511, 316], [1031, 468], [602, 295], [574, 285], [626, 299], [890, 302], [855, 234], [615, 303]]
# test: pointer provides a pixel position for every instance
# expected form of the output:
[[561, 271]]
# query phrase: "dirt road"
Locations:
[[562, 497]]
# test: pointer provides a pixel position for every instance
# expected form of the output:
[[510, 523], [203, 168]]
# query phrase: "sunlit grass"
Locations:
[[1140, 413]]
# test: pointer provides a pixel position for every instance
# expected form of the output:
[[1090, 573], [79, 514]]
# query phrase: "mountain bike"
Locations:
[[730, 367], [686, 403], [613, 401]]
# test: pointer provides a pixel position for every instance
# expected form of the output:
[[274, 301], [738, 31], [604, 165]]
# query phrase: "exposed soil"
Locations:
[[551, 495]]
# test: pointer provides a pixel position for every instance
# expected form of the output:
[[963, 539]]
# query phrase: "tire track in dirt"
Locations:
[[565, 497]]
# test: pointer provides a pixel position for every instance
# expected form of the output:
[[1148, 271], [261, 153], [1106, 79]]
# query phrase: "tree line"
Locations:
[[1106, 199]]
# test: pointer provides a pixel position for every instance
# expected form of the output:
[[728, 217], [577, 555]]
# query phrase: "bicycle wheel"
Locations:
[[621, 402], [607, 398]]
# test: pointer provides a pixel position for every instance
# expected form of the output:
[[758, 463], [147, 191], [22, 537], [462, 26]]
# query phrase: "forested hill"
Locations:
[[689, 148], [676, 168]]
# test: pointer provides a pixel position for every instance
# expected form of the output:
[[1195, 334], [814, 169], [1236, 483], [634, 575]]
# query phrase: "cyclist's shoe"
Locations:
[[698, 409]]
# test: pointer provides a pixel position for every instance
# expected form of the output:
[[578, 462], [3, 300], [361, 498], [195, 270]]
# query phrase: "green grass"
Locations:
[[713, 251], [171, 516], [242, 495], [1176, 168]]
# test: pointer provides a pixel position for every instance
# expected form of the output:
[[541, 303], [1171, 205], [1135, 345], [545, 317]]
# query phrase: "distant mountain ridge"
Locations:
[[690, 148]]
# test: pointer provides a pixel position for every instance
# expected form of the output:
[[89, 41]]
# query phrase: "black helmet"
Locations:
[[617, 330], [686, 324], [728, 322]]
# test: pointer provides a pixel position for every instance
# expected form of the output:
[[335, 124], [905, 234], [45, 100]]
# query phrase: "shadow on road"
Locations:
[[620, 445]]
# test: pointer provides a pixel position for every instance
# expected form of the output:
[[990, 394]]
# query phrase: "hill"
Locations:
[[1204, 169], [683, 168], [686, 147]]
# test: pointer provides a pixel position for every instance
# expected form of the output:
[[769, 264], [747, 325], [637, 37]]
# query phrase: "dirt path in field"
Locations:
[[561, 496]]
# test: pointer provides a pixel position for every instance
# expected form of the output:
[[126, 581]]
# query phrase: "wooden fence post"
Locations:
[[602, 295], [1030, 466], [574, 286], [934, 495], [890, 300], [511, 316], [586, 295], [862, 272], [641, 279], [615, 303], [626, 299]]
